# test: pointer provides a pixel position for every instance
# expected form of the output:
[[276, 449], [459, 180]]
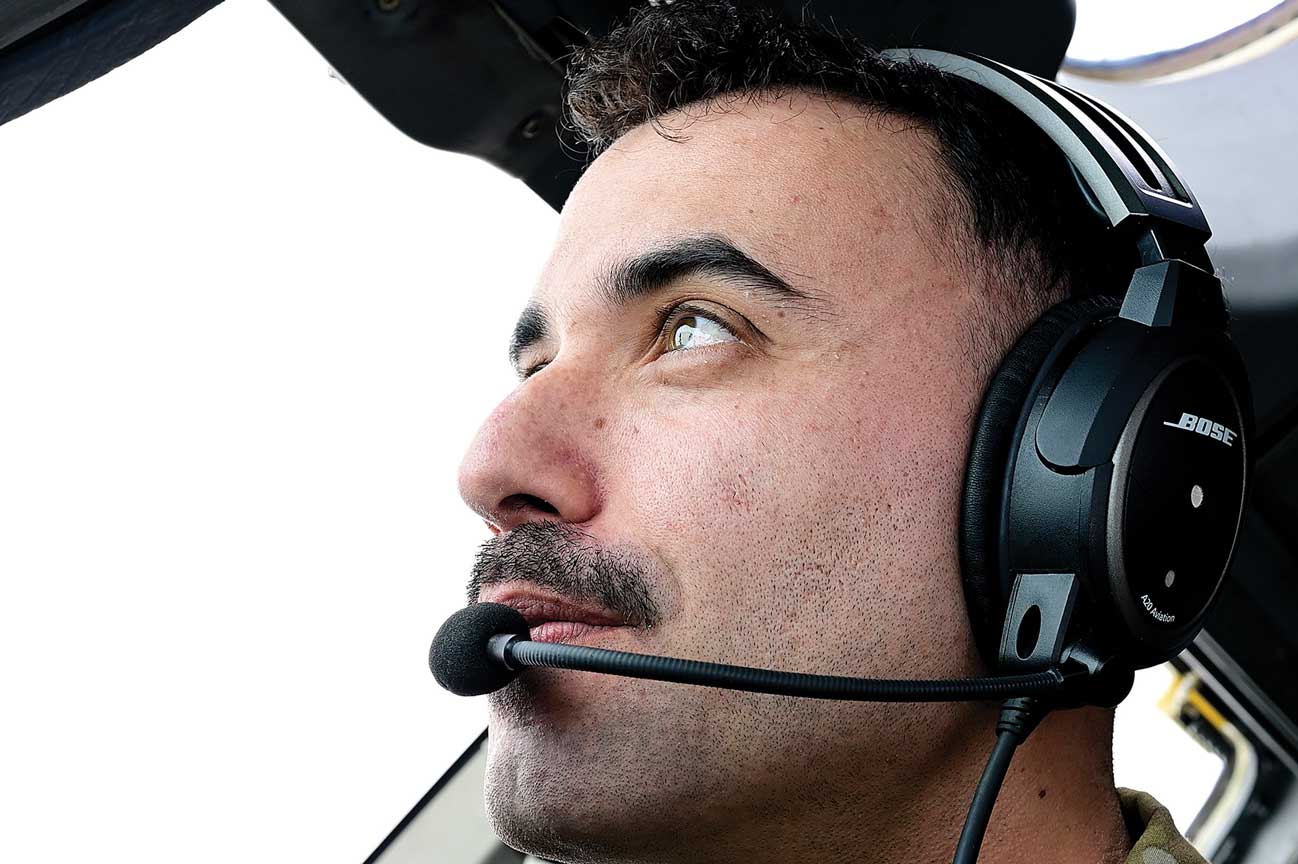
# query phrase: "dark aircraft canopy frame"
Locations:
[[480, 78]]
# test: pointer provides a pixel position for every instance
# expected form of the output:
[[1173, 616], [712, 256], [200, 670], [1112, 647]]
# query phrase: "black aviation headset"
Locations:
[[1109, 464], [1106, 477]]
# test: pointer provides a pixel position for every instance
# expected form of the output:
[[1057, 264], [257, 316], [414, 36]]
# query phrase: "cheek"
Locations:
[[738, 498], [716, 467], [776, 458], [782, 505]]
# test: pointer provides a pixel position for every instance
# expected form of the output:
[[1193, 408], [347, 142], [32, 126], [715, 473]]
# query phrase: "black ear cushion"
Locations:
[[1001, 414]]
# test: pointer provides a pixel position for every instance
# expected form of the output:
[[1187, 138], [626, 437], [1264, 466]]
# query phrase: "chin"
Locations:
[[570, 784], [563, 809]]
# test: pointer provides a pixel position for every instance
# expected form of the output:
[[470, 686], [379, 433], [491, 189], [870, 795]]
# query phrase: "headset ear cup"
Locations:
[[1004, 410]]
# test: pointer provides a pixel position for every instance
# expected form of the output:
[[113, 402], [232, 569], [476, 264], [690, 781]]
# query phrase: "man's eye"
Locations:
[[695, 331]]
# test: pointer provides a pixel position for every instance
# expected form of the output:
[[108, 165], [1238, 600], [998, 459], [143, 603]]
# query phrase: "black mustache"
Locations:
[[561, 558]]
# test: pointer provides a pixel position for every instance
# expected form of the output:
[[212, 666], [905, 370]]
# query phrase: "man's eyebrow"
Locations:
[[531, 328], [641, 275], [699, 255]]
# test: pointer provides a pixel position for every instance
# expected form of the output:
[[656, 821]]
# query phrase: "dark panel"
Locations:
[[80, 46], [1266, 276], [462, 76], [474, 77], [484, 79], [21, 17], [1276, 489], [1254, 619]]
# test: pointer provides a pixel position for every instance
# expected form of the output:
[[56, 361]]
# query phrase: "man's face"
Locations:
[[760, 452]]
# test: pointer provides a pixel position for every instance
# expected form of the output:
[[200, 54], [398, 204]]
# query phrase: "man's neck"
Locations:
[[1058, 803]]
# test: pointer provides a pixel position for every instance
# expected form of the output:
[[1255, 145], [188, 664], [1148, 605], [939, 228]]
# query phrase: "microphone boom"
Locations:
[[516, 652]]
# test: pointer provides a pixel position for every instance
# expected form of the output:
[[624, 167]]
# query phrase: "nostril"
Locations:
[[523, 502]]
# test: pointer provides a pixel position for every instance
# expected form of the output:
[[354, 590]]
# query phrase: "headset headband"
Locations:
[[1129, 179]]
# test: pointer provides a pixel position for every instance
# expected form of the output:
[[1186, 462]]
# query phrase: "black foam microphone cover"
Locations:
[[458, 656]]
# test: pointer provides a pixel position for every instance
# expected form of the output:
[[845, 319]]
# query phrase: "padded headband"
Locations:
[[1128, 177]]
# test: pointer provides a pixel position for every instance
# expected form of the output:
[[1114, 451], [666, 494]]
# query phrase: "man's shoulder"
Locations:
[[1156, 840]]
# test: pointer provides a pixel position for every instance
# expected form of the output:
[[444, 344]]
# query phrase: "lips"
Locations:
[[552, 618]]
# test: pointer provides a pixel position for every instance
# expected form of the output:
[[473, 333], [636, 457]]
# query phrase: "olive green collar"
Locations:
[[1155, 836]]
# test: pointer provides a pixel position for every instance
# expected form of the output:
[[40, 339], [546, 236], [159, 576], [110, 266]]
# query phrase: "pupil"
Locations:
[[685, 332]]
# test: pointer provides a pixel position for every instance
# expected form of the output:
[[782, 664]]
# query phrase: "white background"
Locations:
[[1120, 29], [246, 331]]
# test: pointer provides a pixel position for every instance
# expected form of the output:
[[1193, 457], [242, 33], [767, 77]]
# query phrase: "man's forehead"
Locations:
[[799, 181]]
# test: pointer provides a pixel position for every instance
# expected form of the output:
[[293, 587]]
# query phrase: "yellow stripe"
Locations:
[[1206, 708], [1167, 702]]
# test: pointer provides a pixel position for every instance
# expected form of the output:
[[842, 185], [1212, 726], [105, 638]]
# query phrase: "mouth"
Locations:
[[551, 617]]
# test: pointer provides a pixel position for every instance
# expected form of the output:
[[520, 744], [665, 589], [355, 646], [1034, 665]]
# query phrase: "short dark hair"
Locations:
[[1025, 231]]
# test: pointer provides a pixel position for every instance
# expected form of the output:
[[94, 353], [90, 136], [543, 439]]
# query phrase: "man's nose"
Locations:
[[533, 457]]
